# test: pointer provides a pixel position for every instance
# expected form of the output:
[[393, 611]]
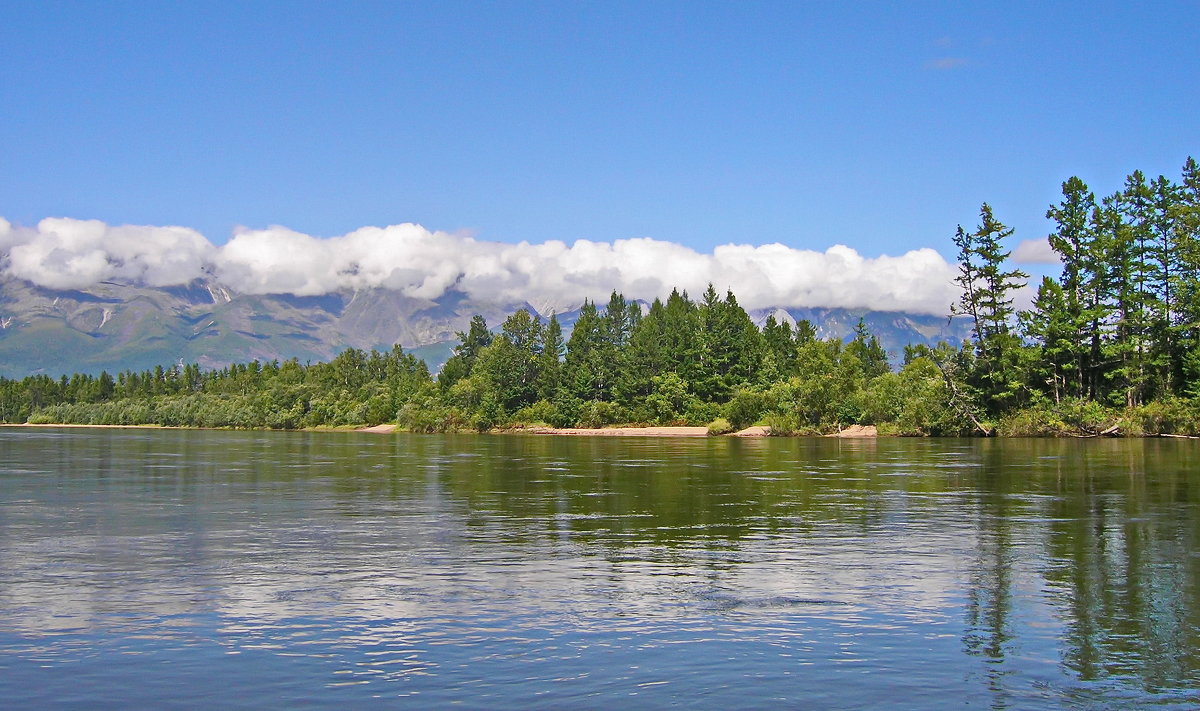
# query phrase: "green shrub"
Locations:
[[701, 413], [541, 412], [597, 413], [746, 407], [787, 424], [1033, 422], [1071, 417], [719, 426], [430, 417], [1170, 416]]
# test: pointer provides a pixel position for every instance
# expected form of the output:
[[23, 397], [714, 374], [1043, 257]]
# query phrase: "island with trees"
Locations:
[[1111, 346]]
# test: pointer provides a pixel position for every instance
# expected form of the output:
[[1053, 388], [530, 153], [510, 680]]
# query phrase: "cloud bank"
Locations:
[[63, 253]]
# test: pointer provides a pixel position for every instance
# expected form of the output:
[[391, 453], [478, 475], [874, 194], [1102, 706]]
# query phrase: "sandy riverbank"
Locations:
[[98, 427], [853, 431], [621, 431]]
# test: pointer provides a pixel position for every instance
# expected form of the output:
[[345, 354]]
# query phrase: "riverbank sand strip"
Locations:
[[622, 431], [852, 431]]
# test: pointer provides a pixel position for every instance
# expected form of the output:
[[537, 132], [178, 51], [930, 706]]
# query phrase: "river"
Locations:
[[198, 569]]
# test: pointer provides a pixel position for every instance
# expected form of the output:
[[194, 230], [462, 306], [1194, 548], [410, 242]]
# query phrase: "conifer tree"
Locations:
[[550, 361], [584, 370], [1072, 239], [644, 357], [680, 336], [780, 343], [865, 347], [476, 338], [1187, 289], [987, 298], [1051, 325]]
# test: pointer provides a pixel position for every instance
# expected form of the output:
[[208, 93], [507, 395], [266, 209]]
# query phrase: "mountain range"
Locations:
[[114, 326]]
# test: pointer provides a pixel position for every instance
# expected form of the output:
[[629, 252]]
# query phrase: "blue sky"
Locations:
[[879, 126]]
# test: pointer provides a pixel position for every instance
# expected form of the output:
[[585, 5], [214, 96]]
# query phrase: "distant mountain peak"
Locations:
[[114, 326]]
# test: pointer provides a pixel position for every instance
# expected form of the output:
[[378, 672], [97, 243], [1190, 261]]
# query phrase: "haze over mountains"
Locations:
[[80, 295]]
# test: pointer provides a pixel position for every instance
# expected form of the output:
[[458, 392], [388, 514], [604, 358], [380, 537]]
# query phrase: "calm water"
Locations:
[[286, 570]]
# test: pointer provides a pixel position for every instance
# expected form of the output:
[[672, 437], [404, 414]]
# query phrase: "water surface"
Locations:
[[187, 569]]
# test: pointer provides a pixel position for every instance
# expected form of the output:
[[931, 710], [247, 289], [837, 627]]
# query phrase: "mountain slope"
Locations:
[[115, 326]]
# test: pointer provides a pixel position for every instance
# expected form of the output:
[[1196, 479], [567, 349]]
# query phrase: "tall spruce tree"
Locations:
[[731, 347], [476, 338], [987, 298], [1071, 239], [1187, 290], [680, 336], [1050, 325], [550, 360], [1166, 257], [585, 372], [1134, 237], [870, 354], [645, 356]]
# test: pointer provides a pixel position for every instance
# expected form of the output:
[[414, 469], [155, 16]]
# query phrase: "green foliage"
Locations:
[[720, 426], [866, 349], [549, 367], [598, 413], [699, 413], [746, 407], [586, 370], [669, 399], [1173, 416], [430, 416], [730, 348], [1071, 416], [542, 412], [987, 299]]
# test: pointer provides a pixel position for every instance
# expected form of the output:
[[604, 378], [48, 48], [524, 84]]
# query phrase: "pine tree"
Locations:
[[459, 366], [549, 366], [616, 326], [1133, 239], [780, 343], [524, 332], [1072, 240], [680, 336], [865, 347], [1051, 326], [1166, 255], [1187, 289], [987, 298], [805, 331], [584, 371], [645, 357]]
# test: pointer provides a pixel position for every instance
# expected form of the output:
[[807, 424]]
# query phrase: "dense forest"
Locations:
[[1112, 346]]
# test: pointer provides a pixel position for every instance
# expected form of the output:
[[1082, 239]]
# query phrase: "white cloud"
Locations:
[[1035, 251], [65, 253]]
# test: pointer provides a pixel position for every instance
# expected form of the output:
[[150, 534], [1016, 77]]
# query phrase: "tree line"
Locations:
[[1119, 328], [1110, 346], [356, 387]]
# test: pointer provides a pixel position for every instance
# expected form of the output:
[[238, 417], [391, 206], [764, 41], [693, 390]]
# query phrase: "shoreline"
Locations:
[[851, 432], [376, 429], [615, 431], [854, 431], [757, 431]]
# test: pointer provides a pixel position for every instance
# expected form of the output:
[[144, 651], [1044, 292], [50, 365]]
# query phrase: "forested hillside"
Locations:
[[1111, 346]]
